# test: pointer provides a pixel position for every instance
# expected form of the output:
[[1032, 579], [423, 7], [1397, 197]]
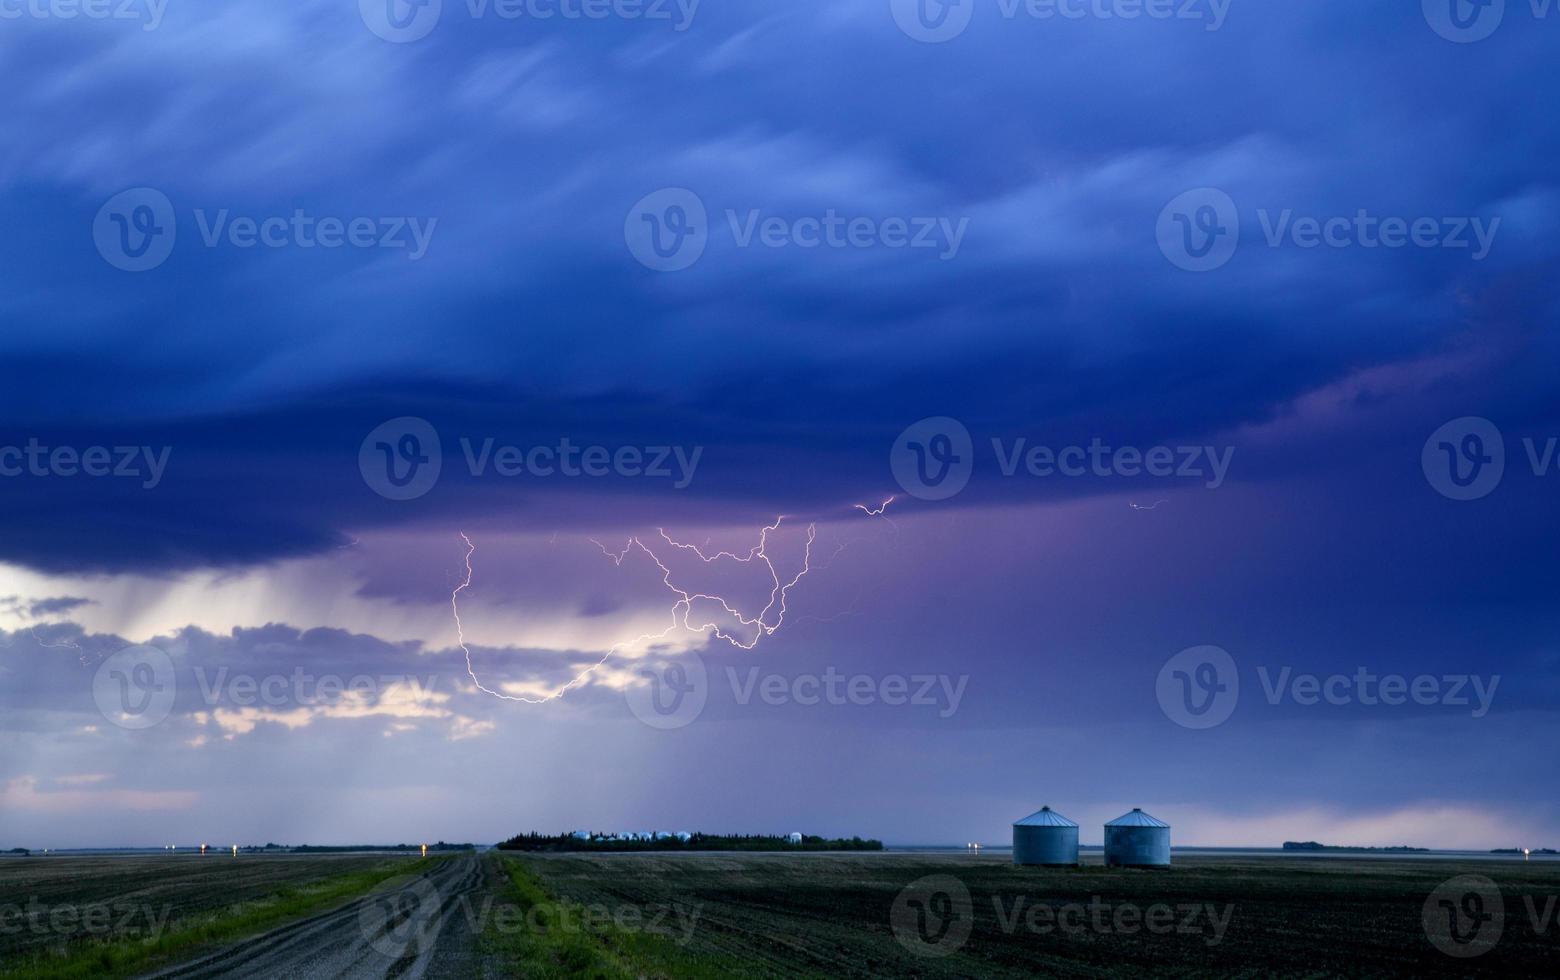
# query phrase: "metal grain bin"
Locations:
[[1045, 837], [1137, 840]]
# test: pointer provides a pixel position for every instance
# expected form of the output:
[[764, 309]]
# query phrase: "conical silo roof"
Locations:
[[1137, 818], [1044, 817]]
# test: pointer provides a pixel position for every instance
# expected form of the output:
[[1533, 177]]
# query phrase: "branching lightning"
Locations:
[[681, 610], [1151, 506]]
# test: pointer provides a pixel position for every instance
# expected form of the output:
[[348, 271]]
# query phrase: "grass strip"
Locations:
[[551, 939]]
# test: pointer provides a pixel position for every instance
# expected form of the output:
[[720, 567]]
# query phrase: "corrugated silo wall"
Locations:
[[1140, 846], [1045, 845]]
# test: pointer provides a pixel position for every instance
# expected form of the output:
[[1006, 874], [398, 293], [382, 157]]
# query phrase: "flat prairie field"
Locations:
[[959, 915], [61, 903]]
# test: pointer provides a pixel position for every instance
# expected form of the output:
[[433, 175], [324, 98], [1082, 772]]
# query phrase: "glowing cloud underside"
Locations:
[[682, 608]]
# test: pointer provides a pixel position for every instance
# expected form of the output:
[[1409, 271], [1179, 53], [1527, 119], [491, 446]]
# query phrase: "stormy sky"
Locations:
[[207, 394]]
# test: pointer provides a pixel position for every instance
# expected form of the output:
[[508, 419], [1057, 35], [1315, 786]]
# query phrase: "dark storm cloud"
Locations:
[[34, 608], [251, 487], [529, 320], [57, 604]]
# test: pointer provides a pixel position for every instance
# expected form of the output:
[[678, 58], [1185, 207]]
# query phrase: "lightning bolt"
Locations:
[[870, 512], [878, 511], [616, 556], [850, 610], [880, 508], [681, 610], [65, 644]]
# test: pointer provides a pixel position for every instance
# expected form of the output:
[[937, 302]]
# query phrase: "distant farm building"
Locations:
[[1137, 840], [1045, 837]]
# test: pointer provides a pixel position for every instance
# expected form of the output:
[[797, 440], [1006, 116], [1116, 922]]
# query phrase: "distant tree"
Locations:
[[534, 841]]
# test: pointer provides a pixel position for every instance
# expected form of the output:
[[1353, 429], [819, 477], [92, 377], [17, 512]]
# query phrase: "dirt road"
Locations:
[[410, 927]]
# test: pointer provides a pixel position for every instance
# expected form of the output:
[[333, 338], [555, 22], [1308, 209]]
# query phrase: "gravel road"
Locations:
[[409, 927]]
